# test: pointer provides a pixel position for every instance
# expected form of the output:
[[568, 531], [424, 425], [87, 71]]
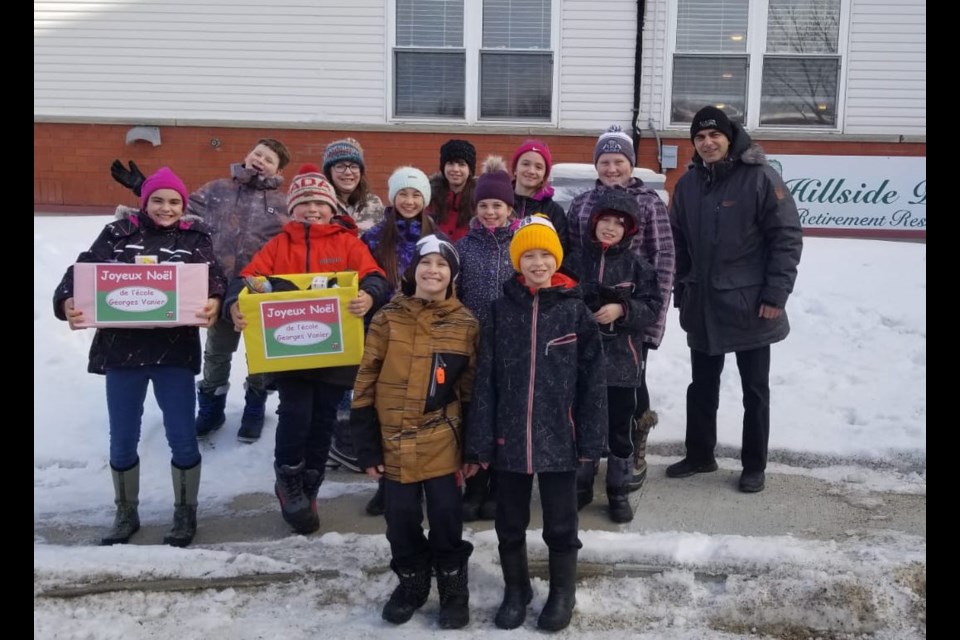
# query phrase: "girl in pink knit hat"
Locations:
[[131, 359], [530, 168]]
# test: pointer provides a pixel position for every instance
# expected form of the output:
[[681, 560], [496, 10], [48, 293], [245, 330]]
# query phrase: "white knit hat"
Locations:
[[409, 178]]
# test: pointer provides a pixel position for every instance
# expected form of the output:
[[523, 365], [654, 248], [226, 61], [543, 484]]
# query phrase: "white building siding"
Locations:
[[654, 64], [597, 44], [886, 68], [296, 61]]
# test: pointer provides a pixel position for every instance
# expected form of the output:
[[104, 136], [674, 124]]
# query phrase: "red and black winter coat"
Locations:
[[614, 274], [131, 235], [539, 402]]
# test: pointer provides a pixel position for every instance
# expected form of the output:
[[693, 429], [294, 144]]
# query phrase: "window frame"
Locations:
[[756, 53], [473, 48]]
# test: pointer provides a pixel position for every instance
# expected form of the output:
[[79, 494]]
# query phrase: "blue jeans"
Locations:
[[173, 387]]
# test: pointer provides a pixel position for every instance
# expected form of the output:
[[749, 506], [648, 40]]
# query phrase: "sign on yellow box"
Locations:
[[305, 329]]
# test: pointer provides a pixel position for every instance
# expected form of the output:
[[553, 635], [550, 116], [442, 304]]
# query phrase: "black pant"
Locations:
[[307, 414], [643, 395], [404, 516], [703, 400], [558, 498], [622, 407]]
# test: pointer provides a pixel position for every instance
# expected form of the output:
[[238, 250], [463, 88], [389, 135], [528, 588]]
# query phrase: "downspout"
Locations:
[[637, 60]]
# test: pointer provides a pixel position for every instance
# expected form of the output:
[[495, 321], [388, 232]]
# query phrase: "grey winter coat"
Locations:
[[243, 212], [738, 241], [653, 241], [539, 402]]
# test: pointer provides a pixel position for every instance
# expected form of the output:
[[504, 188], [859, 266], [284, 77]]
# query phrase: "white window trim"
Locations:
[[472, 39], [757, 45]]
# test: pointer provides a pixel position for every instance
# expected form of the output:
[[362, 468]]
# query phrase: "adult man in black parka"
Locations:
[[738, 241]]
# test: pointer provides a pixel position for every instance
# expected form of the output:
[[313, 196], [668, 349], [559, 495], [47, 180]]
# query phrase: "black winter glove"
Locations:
[[132, 179]]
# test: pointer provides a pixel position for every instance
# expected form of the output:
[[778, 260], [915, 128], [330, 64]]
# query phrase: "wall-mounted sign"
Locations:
[[886, 194]]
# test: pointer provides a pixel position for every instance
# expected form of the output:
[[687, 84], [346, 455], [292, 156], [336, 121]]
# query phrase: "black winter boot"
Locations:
[[312, 479], [251, 423], [210, 410], [294, 503], [378, 503], [126, 490], [640, 431], [585, 478], [452, 583], [562, 598], [517, 592], [477, 487], [618, 475], [186, 487], [410, 594]]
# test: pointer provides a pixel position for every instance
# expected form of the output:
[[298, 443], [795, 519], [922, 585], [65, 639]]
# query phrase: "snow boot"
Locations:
[[410, 594], [210, 410], [640, 430], [452, 583], [618, 474], [312, 479], [562, 598], [294, 503], [186, 487], [517, 592], [378, 503], [251, 423], [474, 495], [585, 478], [126, 520]]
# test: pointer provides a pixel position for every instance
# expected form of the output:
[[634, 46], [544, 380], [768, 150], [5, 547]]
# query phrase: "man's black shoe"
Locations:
[[687, 467], [752, 481]]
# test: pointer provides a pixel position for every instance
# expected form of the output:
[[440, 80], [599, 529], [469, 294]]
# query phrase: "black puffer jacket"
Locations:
[[539, 403], [134, 234], [614, 274], [738, 241]]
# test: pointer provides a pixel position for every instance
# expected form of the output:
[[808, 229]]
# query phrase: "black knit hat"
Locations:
[[711, 118], [458, 150]]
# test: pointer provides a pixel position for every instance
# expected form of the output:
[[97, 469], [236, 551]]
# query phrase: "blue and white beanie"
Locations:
[[615, 140]]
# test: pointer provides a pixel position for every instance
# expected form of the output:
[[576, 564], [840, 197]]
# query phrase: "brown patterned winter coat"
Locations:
[[416, 375]]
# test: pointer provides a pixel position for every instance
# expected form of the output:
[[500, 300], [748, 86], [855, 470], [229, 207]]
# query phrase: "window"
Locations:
[[474, 61], [794, 44]]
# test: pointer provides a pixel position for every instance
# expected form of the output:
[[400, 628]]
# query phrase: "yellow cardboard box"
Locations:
[[305, 329]]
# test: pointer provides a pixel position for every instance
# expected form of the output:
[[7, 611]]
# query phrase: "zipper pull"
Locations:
[[440, 375]]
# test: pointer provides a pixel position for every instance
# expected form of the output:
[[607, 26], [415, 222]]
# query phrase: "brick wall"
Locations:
[[71, 162]]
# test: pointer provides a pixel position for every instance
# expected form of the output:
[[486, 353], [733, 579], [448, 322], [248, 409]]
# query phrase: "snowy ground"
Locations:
[[849, 406]]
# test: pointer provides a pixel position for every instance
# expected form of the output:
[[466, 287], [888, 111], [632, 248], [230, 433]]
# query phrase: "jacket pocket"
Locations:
[[445, 370], [569, 338]]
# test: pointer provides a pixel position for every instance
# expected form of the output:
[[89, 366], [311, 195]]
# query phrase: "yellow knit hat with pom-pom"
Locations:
[[535, 232]]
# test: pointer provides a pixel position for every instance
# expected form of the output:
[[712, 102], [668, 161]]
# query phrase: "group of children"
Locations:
[[495, 350]]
